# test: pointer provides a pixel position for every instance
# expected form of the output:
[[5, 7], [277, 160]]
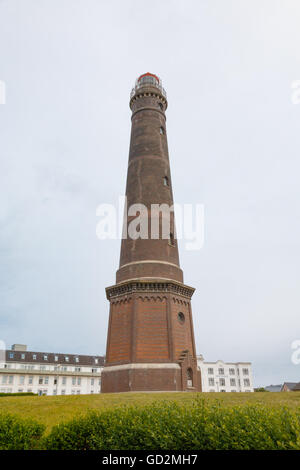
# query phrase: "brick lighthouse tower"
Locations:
[[150, 342]]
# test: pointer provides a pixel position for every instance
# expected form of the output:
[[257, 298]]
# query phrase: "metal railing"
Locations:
[[145, 84]]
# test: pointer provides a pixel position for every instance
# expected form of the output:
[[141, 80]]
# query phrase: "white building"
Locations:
[[49, 373], [222, 376]]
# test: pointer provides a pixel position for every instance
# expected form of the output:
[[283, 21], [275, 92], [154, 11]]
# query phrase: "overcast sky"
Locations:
[[233, 134]]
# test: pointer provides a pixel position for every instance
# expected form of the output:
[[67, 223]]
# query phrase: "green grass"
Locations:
[[51, 410]]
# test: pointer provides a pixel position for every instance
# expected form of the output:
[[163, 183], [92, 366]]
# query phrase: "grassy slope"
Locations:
[[52, 410]]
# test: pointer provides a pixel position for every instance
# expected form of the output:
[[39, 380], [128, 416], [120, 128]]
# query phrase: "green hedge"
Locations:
[[161, 426], [20, 394], [19, 434], [171, 426]]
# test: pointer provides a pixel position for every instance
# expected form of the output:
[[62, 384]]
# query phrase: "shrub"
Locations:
[[23, 394], [19, 434], [172, 426]]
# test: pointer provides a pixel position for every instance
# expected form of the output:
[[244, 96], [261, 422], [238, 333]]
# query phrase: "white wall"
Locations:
[[49, 379], [226, 377]]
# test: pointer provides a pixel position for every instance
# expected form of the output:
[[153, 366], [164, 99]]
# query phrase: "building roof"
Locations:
[[50, 358], [297, 386], [273, 388], [219, 361], [290, 385]]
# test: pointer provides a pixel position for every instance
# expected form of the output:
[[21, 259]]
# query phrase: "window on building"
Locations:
[[161, 106], [22, 356], [56, 358], [77, 369], [246, 371], [246, 382], [232, 382], [67, 358], [22, 379], [76, 359], [11, 379], [78, 392], [96, 361], [73, 380], [78, 380], [63, 392], [40, 380], [222, 382], [11, 355], [34, 357], [45, 357], [20, 390], [189, 374], [221, 371], [211, 382], [4, 379], [92, 381], [171, 239], [162, 130], [55, 381], [30, 380], [166, 181], [181, 317], [54, 392], [210, 371], [46, 380], [64, 380], [231, 372]]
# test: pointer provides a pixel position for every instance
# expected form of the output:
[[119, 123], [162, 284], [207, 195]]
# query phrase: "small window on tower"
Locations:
[[162, 131], [166, 181], [171, 239], [181, 317], [161, 106]]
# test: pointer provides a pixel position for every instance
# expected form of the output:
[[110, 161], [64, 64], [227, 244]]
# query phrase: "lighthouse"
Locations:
[[150, 339]]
